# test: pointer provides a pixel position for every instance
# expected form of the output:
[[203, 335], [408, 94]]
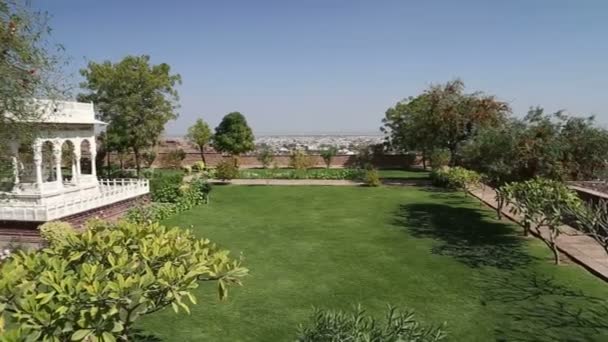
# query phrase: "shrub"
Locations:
[[96, 284], [164, 187], [439, 158], [399, 326], [148, 158], [457, 178], [328, 154], [56, 232], [372, 178], [299, 160], [150, 213], [265, 156], [173, 159], [187, 169], [198, 166], [542, 202], [592, 219], [227, 169]]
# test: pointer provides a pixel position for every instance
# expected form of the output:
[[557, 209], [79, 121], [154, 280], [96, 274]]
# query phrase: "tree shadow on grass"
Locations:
[[140, 335], [538, 308], [466, 234]]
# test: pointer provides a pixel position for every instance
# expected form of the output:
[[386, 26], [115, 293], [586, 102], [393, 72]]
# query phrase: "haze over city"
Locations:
[[336, 66]]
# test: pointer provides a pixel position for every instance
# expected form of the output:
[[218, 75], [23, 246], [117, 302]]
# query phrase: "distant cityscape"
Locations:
[[284, 144]]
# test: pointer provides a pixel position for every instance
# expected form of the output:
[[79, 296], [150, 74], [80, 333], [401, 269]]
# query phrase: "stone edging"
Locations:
[[575, 254]]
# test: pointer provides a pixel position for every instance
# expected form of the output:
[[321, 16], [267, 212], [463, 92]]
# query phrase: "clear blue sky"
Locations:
[[333, 65]]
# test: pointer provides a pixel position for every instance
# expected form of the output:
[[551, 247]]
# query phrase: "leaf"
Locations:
[[79, 335], [107, 337]]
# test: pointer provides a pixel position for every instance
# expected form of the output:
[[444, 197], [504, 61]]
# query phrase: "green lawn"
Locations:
[[438, 253]]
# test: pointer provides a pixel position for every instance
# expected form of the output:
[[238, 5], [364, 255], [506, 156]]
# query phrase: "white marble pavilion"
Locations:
[[56, 177]]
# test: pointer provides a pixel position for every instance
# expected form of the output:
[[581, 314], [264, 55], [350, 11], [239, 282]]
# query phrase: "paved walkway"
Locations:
[[581, 248]]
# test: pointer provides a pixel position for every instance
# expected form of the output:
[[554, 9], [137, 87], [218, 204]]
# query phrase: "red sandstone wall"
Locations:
[[250, 161]]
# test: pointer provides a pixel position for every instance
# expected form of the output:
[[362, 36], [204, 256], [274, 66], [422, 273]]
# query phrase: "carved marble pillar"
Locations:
[[57, 157], [93, 150], [15, 161], [76, 164], [37, 147]]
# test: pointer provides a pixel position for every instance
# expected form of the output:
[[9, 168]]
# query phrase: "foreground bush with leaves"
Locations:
[[542, 202], [93, 286], [399, 326], [455, 178]]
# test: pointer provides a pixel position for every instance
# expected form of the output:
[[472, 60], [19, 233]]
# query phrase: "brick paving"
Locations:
[[583, 249]]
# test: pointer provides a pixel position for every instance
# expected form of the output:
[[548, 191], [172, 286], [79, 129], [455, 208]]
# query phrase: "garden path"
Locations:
[[581, 248]]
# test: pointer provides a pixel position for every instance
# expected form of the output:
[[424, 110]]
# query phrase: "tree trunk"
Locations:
[[499, 204], [202, 148], [120, 158], [553, 245], [424, 159], [452, 150], [526, 228], [137, 161]]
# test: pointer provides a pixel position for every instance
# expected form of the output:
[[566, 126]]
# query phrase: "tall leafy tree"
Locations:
[[233, 135], [29, 67], [442, 117], [135, 97], [200, 135]]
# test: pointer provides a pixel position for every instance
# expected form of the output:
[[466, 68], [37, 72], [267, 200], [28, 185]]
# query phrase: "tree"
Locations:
[[542, 202], [94, 285], [265, 156], [442, 117], [200, 134], [328, 154], [233, 135], [29, 66], [592, 219], [136, 98], [399, 326]]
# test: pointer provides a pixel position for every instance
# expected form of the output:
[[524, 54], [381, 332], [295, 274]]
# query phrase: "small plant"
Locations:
[[399, 326], [173, 159], [592, 219], [542, 202], [56, 231], [439, 158], [372, 178], [198, 166], [299, 160], [187, 169], [227, 169], [265, 156], [328, 154], [457, 178], [148, 158]]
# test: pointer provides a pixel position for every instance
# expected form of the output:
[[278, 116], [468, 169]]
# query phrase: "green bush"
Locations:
[[187, 169], [327, 174], [457, 178], [164, 187], [153, 212], [399, 326], [372, 178], [198, 166], [96, 284], [56, 231], [299, 160], [173, 159], [542, 202], [227, 169], [439, 158], [265, 156]]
